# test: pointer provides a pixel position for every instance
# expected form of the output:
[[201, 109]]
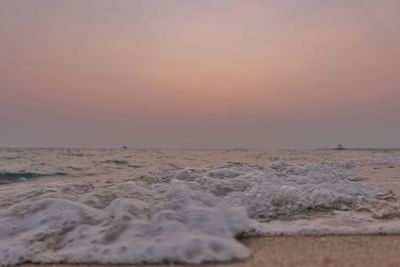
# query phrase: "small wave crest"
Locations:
[[20, 176]]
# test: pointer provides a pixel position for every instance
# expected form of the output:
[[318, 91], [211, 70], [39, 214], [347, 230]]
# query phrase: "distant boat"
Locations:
[[340, 147], [124, 147]]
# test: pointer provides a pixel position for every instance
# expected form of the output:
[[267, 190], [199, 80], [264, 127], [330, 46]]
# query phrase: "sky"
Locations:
[[200, 74]]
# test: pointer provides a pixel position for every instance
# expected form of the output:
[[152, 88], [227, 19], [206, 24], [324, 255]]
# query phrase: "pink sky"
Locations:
[[187, 73]]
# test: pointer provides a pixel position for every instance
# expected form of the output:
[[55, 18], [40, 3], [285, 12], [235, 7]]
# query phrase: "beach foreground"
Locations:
[[356, 251], [353, 250], [315, 208]]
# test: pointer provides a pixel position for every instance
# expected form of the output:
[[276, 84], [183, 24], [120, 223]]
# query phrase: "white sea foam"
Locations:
[[188, 227], [191, 215]]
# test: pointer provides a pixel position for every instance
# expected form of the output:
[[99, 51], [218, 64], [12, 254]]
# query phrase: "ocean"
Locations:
[[128, 206]]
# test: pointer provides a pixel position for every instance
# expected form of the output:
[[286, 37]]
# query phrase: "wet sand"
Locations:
[[325, 251]]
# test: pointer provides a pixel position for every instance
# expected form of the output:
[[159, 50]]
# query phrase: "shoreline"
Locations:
[[326, 250], [301, 251]]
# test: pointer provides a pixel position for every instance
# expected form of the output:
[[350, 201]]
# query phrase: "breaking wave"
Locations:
[[192, 215]]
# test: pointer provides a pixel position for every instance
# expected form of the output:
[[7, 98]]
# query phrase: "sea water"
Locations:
[[127, 206]]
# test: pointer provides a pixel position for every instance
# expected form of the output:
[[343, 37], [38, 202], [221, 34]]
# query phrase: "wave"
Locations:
[[190, 215], [20, 176], [121, 163], [114, 161]]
